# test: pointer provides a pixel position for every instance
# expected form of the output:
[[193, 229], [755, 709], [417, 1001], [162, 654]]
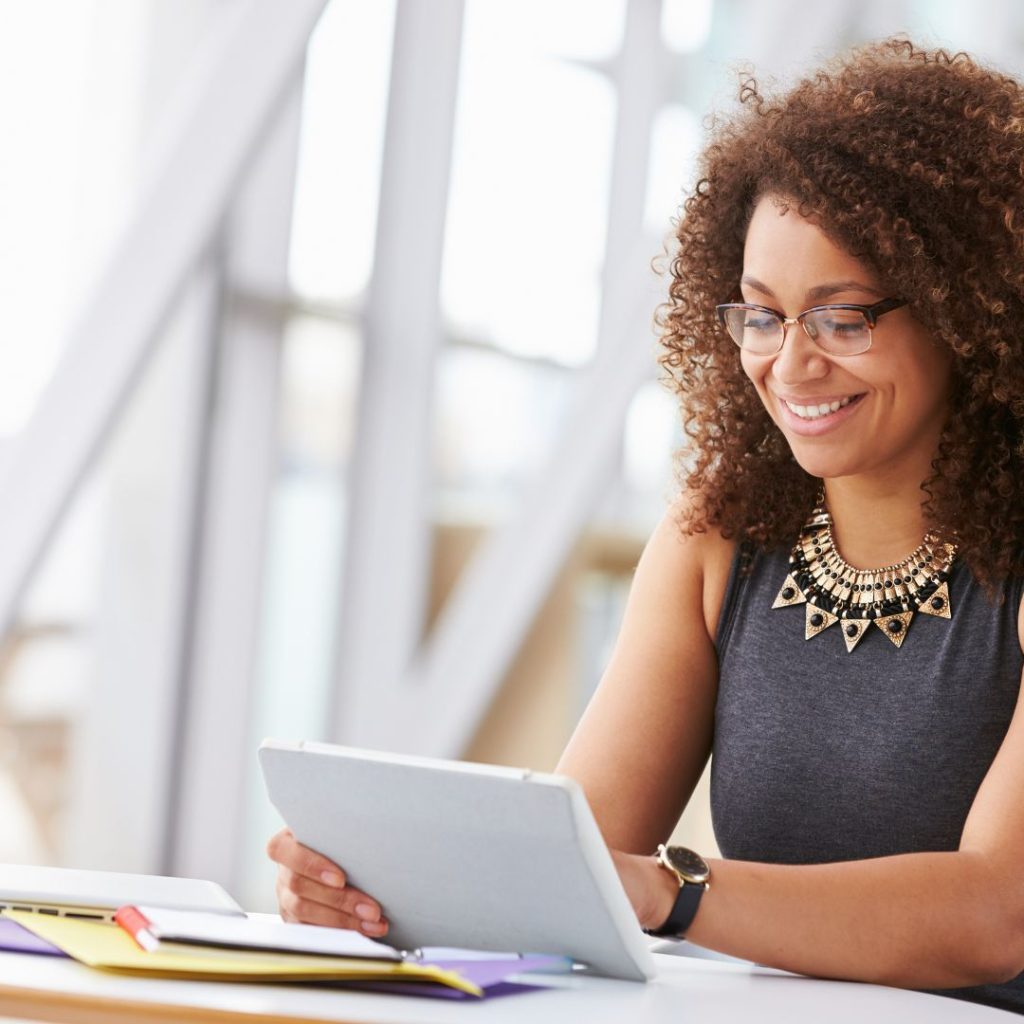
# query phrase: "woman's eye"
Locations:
[[844, 327]]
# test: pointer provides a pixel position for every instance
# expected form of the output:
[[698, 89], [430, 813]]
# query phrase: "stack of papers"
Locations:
[[212, 947]]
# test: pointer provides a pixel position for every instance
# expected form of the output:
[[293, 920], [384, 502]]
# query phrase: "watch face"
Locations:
[[690, 865]]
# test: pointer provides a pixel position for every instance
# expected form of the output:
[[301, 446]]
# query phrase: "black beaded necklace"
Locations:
[[835, 591]]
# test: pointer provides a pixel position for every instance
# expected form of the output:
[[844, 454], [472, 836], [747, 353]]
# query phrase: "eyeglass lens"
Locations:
[[838, 331]]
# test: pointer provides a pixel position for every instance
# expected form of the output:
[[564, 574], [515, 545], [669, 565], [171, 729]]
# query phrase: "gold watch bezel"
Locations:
[[663, 856]]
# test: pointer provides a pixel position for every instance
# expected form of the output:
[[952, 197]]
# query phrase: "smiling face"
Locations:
[[879, 413]]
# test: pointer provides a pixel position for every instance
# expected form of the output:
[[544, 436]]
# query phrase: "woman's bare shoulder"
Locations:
[[688, 559]]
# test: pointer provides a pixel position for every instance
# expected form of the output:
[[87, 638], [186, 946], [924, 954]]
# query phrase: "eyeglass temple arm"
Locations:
[[885, 306]]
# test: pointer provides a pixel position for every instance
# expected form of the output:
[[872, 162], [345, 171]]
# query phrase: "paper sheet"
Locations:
[[262, 934]]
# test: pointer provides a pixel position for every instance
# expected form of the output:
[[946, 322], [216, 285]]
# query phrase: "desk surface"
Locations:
[[699, 991]]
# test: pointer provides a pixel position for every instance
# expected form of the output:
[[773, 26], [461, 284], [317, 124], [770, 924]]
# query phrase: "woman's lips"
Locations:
[[820, 424]]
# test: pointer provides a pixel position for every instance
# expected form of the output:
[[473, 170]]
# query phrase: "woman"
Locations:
[[834, 605]]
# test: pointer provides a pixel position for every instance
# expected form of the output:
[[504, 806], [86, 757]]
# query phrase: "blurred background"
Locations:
[[328, 403]]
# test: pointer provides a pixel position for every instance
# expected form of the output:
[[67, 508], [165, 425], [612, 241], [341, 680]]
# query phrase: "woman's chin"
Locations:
[[823, 465]]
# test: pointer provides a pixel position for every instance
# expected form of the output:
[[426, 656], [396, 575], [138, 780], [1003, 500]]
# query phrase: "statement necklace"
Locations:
[[837, 592]]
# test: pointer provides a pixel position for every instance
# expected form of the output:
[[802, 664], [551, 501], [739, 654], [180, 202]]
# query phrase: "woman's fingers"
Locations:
[[313, 890], [348, 900], [288, 851], [308, 902]]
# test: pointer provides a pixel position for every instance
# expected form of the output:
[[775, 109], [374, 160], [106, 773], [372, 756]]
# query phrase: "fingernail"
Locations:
[[374, 927], [366, 912], [332, 878]]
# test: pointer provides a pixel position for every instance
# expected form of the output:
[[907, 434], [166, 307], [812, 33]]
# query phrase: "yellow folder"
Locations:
[[108, 947]]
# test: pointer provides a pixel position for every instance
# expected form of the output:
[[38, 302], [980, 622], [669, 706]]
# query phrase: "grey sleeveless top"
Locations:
[[822, 755]]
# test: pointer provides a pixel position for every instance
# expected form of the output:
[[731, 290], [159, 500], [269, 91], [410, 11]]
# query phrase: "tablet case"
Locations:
[[465, 855]]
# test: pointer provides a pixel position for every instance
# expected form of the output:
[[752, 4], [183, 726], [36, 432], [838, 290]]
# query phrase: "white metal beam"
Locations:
[[640, 93], [216, 749], [388, 529], [640, 86], [118, 819], [235, 81]]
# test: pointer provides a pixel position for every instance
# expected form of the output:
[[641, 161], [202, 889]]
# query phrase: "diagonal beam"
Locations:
[[485, 620], [239, 79]]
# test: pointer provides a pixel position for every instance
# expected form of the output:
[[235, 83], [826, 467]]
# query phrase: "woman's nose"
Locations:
[[799, 359]]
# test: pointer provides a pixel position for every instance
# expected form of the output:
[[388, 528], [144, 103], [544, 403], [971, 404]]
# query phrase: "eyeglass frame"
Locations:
[[871, 314]]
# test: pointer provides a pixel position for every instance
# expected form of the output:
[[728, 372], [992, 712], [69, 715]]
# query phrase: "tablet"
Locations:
[[460, 854], [71, 892]]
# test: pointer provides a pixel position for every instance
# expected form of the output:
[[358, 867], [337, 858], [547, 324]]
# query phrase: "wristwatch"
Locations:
[[693, 874]]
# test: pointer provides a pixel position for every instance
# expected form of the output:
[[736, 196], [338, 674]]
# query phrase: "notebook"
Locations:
[[155, 928], [71, 892]]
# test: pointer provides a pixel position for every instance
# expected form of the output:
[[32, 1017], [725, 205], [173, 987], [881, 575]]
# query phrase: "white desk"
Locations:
[[687, 989]]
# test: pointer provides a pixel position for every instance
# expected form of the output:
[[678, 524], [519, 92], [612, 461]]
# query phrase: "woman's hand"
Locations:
[[313, 890], [651, 889]]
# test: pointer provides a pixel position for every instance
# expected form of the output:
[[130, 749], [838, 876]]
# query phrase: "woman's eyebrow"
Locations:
[[823, 291], [756, 285], [818, 292]]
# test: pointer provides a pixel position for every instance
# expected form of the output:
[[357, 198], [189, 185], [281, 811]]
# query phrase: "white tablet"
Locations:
[[462, 854], [70, 892]]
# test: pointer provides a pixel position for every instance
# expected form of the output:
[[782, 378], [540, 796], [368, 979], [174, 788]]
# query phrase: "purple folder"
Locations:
[[16, 939], [490, 975]]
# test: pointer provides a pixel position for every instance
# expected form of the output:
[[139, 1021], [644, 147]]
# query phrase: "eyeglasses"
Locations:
[[839, 330]]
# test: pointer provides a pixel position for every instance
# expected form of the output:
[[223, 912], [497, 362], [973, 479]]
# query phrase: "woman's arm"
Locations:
[[645, 737], [919, 920]]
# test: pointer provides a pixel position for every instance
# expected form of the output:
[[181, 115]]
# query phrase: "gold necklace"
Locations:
[[835, 591]]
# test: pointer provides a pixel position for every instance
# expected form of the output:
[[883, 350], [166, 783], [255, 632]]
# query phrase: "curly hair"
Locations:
[[913, 162]]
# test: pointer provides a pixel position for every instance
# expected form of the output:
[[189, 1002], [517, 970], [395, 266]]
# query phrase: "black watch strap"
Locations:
[[684, 910]]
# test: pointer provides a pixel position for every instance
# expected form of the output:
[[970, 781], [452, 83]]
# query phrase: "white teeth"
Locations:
[[812, 412]]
